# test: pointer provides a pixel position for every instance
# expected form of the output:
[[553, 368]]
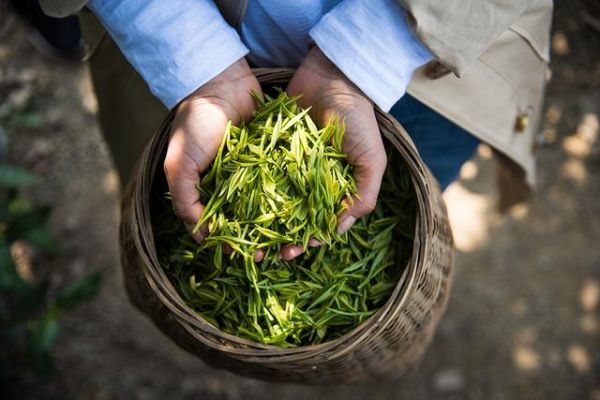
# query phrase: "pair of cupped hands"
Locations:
[[200, 121]]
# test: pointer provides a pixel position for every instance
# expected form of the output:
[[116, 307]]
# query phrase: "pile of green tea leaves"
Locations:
[[276, 181], [279, 180]]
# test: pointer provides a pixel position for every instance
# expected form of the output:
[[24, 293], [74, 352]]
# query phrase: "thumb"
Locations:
[[194, 141], [182, 173]]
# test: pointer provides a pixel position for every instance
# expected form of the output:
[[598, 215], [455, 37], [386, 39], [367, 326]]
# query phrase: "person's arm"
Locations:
[[371, 42], [190, 57], [176, 46], [365, 53]]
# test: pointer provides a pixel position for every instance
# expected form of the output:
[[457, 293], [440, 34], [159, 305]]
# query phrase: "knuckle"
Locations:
[[367, 205], [182, 212], [381, 163], [170, 165], [377, 166], [167, 166]]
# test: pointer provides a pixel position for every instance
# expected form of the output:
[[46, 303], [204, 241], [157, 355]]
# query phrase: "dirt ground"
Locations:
[[523, 320]]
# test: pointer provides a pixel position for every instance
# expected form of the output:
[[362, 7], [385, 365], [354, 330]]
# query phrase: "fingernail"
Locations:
[[345, 224], [314, 243]]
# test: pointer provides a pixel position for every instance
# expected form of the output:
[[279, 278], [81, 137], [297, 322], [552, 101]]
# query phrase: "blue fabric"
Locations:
[[443, 145], [277, 31], [371, 42], [177, 46]]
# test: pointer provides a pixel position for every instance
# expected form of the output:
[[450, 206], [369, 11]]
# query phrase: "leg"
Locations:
[[443, 146]]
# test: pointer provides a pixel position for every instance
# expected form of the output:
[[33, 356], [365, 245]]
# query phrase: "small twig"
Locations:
[[592, 22]]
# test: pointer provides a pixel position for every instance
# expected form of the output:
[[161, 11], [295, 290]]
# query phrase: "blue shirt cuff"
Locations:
[[371, 42], [177, 46]]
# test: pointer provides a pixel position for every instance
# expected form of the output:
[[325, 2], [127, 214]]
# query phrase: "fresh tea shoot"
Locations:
[[279, 180]]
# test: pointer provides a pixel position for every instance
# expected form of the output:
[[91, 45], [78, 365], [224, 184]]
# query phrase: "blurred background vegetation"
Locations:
[[30, 307]]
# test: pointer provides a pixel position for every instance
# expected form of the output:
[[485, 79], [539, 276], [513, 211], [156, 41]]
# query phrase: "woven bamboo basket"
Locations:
[[388, 344]]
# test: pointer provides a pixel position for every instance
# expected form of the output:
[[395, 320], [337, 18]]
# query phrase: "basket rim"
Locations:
[[252, 351]]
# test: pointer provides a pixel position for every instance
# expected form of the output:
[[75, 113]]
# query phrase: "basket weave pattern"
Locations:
[[388, 344]]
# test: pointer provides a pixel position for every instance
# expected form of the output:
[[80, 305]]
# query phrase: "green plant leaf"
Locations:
[[11, 176], [77, 292], [41, 336], [43, 239], [10, 282], [22, 222], [19, 299]]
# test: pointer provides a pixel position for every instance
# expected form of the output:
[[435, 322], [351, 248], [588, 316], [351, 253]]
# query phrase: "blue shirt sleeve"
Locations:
[[371, 42], [177, 46]]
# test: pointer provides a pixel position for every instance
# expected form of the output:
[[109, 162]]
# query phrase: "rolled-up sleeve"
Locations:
[[176, 46], [371, 42]]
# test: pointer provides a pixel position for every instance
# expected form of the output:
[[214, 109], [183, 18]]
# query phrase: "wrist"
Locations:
[[373, 44], [229, 91], [317, 63]]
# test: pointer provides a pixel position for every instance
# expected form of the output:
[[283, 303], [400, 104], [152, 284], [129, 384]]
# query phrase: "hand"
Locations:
[[331, 95], [197, 132]]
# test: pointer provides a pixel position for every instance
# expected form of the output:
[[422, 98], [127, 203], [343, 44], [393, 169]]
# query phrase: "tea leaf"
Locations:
[[278, 180]]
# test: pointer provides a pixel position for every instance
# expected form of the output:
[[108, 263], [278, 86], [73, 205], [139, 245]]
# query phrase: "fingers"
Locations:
[[197, 132], [291, 251], [314, 243], [182, 173], [369, 160], [368, 182], [194, 141], [259, 255], [333, 96]]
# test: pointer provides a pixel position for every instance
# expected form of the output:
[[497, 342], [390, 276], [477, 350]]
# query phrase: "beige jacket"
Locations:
[[497, 49]]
